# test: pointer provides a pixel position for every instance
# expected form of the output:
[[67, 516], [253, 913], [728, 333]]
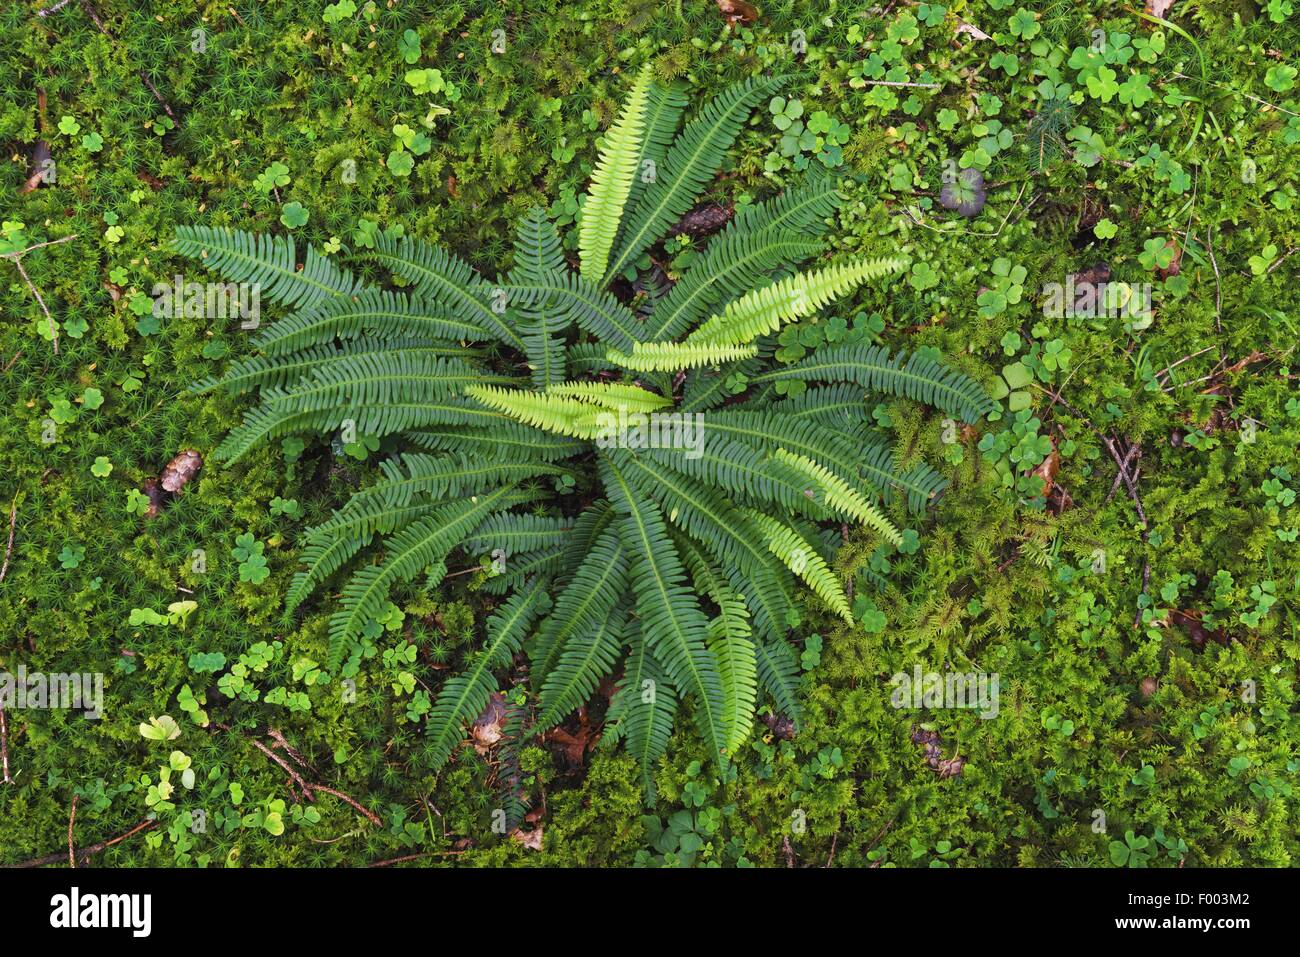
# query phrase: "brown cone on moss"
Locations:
[[180, 470]]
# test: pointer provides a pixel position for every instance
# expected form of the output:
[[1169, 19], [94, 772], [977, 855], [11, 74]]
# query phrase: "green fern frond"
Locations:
[[270, 262], [584, 605], [802, 559], [281, 371], [778, 673], [672, 356], [674, 627], [642, 712], [762, 239], [464, 697], [445, 282], [519, 534], [549, 412], [590, 308], [377, 313], [689, 166], [418, 546], [585, 659], [611, 182], [911, 375], [840, 496], [765, 310], [730, 642]]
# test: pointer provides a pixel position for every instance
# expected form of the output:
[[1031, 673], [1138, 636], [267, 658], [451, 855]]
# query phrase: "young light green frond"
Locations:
[[270, 262], [690, 165], [672, 356], [464, 697], [911, 375], [611, 395], [611, 182], [549, 412], [802, 559], [663, 115], [445, 282], [840, 496], [763, 239], [765, 310]]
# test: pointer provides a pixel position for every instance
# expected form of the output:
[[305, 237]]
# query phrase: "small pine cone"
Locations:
[[703, 220], [180, 470]]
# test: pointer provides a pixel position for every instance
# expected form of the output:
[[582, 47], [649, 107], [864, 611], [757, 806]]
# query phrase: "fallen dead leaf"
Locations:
[[737, 11], [529, 839], [486, 730]]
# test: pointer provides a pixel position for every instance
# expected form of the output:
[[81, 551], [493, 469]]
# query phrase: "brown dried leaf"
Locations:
[[529, 839], [486, 730], [737, 11]]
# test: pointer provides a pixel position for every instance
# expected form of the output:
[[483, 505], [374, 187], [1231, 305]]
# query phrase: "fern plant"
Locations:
[[677, 566]]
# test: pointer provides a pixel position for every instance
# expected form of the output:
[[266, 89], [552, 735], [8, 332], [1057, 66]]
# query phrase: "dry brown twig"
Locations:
[[9, 549], [4, 747], [17, 259], [72, 820], [87, 852]]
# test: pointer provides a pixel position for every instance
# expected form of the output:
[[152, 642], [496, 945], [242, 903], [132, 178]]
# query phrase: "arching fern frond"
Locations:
[[688, 167], [671, 356], [270, 262], [611, 182], [445, 282], [465, 696], [765, 310], [911, 375]]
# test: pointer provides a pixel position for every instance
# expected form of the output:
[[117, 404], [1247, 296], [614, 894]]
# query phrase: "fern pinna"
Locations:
[[675, 566]]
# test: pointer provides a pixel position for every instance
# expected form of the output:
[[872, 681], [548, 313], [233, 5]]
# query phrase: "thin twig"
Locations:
[[4, 746], [414, 857], [54, 330], [72, 819], [369, 814], [17, 355], [87, 852], [19, 254], [1283, 258], [53, 9], [9, 549]]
